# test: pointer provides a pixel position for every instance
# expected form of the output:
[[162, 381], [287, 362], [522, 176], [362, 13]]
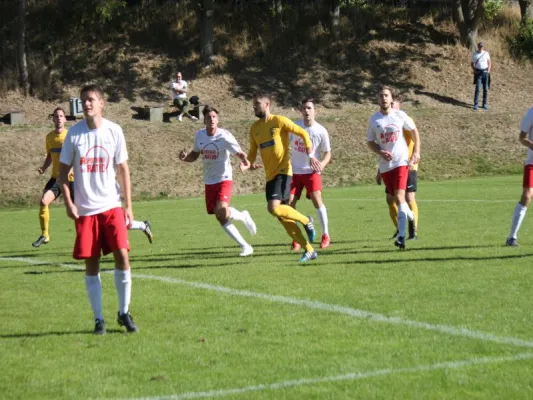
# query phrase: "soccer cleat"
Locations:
[[310, 230], [99, 327], [246, 251], [193, 118], [126, 320], [249, 223], [325, 241], [400, 242], [412, 230], [295, 246], [148, 231], [41, 240], [395, 234], [309, 255], [511, 242]]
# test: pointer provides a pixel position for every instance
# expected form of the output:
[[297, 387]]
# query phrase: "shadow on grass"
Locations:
[[54, 333], [444, 99], [432, 259]]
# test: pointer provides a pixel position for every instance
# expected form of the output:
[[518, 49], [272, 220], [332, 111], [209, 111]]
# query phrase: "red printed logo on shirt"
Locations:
[[390, 134], [299, 146], [95, 161], [210, 152]]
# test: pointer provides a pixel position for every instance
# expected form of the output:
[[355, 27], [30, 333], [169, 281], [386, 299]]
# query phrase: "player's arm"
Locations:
[[123, 176], [64, 171], [523, 138], [378, 177], [252, 155], [410, 126], [191, 156], [326, 150], [386, 155], [46, 163], [289, 127]]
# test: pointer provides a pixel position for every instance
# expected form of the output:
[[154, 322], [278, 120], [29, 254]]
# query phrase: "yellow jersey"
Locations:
[[271, 137], [54, 144], [410, 143]]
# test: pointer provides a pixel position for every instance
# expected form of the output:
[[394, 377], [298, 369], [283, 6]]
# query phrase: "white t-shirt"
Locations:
[[480, 59], [299, 158], [215, 152], [526, 125], [387, 132], [175, 85], [94, 153]]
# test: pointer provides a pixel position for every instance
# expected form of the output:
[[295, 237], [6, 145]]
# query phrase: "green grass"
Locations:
[[201, 338]]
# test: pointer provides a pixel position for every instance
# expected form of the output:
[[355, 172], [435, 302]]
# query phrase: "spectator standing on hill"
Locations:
[[179, 97], [385, 138], [216, 145], [52, 190], [304, 175], [526, 139], [270, 135], [481, 68], [95, 147]]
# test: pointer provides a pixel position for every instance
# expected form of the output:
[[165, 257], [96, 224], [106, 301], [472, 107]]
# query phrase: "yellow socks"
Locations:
[[287, 212], [414, 208], [44, 219], [295, 233], [393, 212]]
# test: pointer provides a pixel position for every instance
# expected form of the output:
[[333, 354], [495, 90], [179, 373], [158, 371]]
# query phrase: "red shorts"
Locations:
[[528, 176], [311, 182], [217, 192], [101, 233], [396, 179]]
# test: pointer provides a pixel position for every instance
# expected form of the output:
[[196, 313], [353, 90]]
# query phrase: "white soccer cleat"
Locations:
[[249, 223], [246, 251]]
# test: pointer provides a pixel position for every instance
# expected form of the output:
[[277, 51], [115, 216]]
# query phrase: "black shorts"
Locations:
[[412, 182], [55, 188], [279, 188]]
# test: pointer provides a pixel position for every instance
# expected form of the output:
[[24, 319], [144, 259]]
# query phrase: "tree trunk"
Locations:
[[23, 65], [278, 7], [526, 10], [472, 12], [206, 32], [335, 16]]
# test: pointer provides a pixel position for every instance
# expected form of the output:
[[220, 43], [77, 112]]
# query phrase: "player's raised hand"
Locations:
[[183, 155]]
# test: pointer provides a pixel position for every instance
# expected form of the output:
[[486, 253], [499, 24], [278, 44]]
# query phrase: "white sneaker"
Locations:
[[249, 223], [193, 118], [180, 118], [246, 251]]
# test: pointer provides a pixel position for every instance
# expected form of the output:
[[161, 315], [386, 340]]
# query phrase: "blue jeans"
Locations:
[[481, 79]]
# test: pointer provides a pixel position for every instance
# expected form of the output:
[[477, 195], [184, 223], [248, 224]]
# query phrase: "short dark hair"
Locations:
[[262, 95], [207, 109], [397, 97], [58, 109], [386, 87], [92, 88], [308, 100]]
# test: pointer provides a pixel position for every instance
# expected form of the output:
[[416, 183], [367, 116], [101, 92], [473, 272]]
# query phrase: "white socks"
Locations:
[[323, 218], [233, 233], [236, 215], [518, 217], [94, 291], [403, 211], [138, 225], [123, 286]]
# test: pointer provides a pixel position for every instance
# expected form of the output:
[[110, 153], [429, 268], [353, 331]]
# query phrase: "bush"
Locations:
[[492, 9], [522, 43]]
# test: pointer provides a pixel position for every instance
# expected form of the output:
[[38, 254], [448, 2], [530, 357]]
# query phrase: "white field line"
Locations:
[[315, 305], [346, 377]]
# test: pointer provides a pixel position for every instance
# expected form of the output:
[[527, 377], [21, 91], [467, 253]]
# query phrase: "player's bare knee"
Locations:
[[527, 194], [316, 198], [122, 261], [222, 215]]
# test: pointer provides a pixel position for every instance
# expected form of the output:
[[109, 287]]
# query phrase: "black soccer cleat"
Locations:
[[99, 327], [126, 320], [148, 231], [511, 242], [41, 240], [400, 242]]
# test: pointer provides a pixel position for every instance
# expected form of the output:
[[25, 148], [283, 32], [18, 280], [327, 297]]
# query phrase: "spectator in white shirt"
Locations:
[[179, 97], [481, 69]]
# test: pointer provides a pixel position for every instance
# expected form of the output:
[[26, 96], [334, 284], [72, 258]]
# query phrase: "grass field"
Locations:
[[450, 317]]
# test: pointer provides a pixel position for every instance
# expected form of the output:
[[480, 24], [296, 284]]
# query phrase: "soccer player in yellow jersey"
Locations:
[[270, 135], [52, 189], [412, 184]]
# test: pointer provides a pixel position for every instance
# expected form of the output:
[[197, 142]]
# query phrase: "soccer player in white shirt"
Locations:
[[385, 138], [216, 145], [95, 148], [303, 173], [526, 139]]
